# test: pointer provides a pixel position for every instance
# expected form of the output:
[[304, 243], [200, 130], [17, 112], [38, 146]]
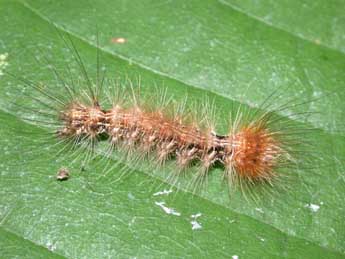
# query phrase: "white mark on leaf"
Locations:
[[164, 192], [312, 207], [130, 196], [51, 246], [195, 224], [259, 210], [3, 62], [166, 209]]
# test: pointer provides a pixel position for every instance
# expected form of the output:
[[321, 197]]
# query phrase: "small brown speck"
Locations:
[[63, 174]]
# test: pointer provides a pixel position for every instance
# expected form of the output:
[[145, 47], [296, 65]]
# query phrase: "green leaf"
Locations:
[[231, 51], [320, 22], [13, 246]]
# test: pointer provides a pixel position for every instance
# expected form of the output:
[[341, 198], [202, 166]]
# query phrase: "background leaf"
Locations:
[[235, 52]]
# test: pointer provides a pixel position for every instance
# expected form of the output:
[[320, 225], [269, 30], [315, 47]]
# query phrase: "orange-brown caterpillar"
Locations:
[[254, 149]]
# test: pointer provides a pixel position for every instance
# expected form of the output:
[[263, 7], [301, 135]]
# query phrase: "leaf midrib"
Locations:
[[30, 241], [271, 25]]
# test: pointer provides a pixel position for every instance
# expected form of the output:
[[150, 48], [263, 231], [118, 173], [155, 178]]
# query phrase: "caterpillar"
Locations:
[[52, 213], [251, 151], [255, 149]]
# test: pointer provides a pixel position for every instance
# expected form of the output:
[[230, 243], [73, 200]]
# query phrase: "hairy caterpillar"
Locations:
[[256, 148], [286, 212]]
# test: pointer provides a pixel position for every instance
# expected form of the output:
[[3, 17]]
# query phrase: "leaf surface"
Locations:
[[195, 47]]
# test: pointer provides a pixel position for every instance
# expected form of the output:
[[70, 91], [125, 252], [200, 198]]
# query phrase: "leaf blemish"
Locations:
[[119, 40], [3, 62], [312, 207], [166, 209], [164, 192], [195, 224]]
